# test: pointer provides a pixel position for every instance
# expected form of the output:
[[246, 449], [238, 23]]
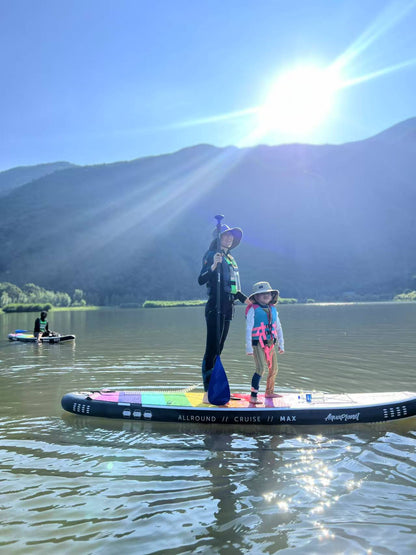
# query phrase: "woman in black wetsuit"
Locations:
[[229, 292]]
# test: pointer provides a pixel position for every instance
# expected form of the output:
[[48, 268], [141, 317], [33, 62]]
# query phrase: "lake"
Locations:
[[74, 484]]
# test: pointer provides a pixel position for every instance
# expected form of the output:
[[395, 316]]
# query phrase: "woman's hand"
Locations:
[[217, 260]]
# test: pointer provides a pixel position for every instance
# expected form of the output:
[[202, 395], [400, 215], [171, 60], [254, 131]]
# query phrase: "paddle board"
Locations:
[[30, 338], [295, 408]]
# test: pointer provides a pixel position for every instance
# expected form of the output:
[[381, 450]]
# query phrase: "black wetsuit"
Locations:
[[209, 277]]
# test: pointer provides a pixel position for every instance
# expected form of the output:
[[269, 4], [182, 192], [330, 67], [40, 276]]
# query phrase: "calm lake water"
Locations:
[[73, 484]]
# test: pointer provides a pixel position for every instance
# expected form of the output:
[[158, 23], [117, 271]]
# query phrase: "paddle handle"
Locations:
[[219, 218]]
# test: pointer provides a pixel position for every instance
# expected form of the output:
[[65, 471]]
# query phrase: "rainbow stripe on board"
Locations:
[[181, 399]]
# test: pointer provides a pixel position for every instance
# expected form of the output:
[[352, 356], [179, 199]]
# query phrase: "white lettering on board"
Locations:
[[343, 417]]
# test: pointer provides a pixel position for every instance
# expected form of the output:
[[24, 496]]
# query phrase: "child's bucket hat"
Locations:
[[264, 287]]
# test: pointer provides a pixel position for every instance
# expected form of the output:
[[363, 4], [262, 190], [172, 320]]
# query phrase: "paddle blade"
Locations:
[[218, 390]]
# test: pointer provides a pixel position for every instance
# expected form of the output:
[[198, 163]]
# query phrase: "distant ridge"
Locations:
[[320, 221], [404, 132], [15, 177]]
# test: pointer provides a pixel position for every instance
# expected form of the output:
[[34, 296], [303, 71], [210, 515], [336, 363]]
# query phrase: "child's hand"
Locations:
[[249, 354], [281, 351]]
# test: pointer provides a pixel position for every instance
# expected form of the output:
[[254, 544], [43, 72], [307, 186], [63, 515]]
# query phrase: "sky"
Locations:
[[99, 81]]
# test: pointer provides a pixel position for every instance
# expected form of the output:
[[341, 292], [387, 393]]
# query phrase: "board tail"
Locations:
[[219, 389]]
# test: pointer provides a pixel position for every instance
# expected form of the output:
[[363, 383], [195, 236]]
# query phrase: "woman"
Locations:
[[225, 264]]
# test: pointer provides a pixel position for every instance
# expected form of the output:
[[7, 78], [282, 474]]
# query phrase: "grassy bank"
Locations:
[[27, 307], [47, 308], [169, 304], [75, 308], [408, 296], [199, 302]]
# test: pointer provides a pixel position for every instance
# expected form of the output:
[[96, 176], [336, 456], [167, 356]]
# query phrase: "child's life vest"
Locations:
[[266, 325]]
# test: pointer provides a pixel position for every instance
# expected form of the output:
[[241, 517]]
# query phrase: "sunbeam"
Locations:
[[378, 73], [214, 119], [388, 18], [160, 197]]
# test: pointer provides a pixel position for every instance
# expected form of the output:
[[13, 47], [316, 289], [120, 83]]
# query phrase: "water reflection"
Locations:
[[257, 492]]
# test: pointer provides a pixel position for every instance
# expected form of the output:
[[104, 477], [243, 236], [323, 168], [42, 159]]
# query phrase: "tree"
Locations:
[[15, 294], [78, 298], [33, 292], [62, 299], [4, 299]]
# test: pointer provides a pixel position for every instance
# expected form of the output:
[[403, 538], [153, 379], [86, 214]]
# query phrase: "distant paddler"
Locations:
[[220, 274], [41, 327]]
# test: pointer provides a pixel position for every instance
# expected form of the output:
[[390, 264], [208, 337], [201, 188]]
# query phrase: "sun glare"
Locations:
[[303, 98], [299, 100]]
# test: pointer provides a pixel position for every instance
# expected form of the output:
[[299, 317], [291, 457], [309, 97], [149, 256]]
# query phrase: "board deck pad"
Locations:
[[187, 399]]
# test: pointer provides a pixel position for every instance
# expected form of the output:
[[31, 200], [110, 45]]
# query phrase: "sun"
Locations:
[[299, 100]]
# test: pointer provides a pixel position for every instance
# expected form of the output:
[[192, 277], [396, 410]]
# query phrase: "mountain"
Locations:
[[11, 179], [320, 221], [404, 133]]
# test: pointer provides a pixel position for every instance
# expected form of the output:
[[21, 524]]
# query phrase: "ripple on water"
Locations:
[[67, 482]]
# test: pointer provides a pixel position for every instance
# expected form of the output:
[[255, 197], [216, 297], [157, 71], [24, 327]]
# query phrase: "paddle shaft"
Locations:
[[218, 218]]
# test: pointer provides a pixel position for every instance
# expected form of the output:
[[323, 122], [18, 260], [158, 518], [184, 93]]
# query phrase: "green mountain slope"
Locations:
[[15, 177], [318, 221]]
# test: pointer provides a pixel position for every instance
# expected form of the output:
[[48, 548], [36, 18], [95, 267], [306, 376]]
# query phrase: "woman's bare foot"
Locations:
[[272, 395], [205, 398]]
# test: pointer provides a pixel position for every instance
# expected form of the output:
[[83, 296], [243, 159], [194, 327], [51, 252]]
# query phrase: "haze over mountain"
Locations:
[[15, 177], [322, 221]]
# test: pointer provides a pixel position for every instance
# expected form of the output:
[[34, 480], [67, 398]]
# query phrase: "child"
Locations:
[[263, 329]]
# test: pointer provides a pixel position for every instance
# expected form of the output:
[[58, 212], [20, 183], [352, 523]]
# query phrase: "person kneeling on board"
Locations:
[[41, 327], [263, 329]]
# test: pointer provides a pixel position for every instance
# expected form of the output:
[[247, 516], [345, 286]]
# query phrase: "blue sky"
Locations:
[[97, 81]]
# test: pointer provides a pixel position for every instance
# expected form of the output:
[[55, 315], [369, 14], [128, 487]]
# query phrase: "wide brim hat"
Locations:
[[236, 232], [264, 287]]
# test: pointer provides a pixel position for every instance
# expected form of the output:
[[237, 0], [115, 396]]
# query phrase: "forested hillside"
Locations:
[[15, 177], [325, 222]]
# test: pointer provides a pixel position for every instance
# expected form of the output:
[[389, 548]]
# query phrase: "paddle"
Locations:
[[218, 389]]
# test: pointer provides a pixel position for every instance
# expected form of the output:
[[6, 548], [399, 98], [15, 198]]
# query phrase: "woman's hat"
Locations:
[[236, 231], [264, 287]]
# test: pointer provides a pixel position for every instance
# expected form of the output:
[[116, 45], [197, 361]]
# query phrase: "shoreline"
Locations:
[[201, 303]]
